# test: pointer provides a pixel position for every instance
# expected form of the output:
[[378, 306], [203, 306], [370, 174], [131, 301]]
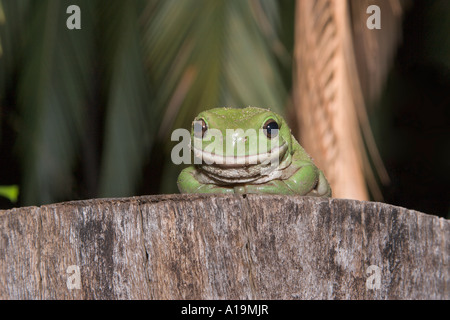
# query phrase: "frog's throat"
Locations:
[[239, 161]]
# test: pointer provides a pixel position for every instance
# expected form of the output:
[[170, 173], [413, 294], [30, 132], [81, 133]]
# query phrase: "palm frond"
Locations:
[[375, 49], [12, 32], [204, 54], [199, 55], [330, 100], [130, 125], [53, 93], [2, 21]]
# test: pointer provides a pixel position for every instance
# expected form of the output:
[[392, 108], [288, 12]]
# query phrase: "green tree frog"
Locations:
[[249, 150]]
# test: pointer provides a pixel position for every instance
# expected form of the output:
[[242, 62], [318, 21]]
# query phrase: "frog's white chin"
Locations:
[[258, 168]]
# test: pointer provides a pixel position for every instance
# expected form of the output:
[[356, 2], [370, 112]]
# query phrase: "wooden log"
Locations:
[[223, 247]]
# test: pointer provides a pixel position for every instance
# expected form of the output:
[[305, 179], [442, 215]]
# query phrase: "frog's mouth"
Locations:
[[258, 168], [271, 157]]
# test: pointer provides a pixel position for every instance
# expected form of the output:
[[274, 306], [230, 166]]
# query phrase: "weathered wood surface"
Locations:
[[223, 247]]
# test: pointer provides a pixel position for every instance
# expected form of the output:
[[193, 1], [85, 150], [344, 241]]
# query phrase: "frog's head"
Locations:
[[241, 145]]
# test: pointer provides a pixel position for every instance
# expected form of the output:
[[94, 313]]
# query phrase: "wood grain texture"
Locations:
[[223, 247]]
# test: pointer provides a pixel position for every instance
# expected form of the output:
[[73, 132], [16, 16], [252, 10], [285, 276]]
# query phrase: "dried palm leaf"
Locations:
[[340, 65]]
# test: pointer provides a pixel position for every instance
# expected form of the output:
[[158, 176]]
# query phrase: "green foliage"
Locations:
[[204, 54], [10, 192], [52, 96], [90, 104], [2, 21], [130, 109]]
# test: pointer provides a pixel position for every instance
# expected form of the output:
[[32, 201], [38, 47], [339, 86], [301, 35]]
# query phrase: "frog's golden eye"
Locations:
[[200, 128], [271, 128]]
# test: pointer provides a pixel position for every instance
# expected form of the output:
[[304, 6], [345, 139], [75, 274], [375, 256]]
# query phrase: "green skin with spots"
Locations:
[[293, 173]]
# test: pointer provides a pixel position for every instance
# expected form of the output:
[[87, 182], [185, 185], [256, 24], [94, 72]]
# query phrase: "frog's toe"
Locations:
[[322, 187]]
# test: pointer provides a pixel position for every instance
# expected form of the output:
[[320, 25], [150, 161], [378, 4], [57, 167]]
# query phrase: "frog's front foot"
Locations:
[[322, 188]]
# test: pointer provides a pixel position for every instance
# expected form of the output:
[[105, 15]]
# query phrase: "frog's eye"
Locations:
[[270, 128], [200, 128]]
